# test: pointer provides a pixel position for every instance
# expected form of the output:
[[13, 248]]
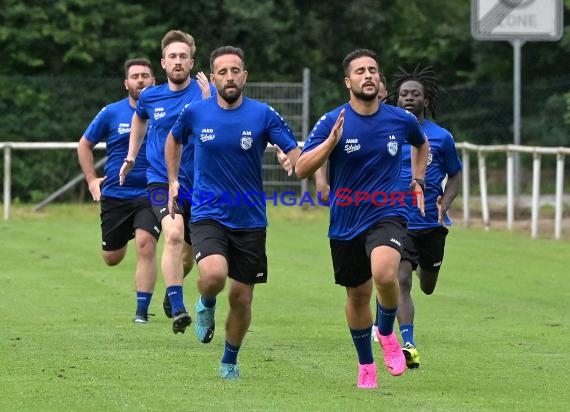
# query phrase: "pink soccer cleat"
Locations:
[[367, 376], [394, 359]]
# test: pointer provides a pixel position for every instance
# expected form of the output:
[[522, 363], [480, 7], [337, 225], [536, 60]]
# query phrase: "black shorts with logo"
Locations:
[[244, 249], [120, 218], [158, 198], [351, 258], [425, 248]]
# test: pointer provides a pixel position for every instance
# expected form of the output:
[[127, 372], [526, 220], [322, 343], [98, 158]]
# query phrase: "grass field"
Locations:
[[494, 336]]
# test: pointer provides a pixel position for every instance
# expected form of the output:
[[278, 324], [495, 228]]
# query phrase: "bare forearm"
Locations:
[[321, 175], [85, 158], [172, 156], [451, 190], [419, 160], [311, 161], [138, 130], [293, 156]]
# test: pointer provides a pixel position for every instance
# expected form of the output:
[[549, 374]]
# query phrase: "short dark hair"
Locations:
[[355, 55], [220, 51], [139, 61], [424, 76]]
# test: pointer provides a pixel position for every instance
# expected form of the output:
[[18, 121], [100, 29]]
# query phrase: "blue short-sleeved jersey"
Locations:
[[229, 147], [364, 167], [162, 106], [113, 126], [442, 161]]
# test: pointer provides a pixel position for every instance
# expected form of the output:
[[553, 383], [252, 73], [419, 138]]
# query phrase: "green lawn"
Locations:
[[494, 336]]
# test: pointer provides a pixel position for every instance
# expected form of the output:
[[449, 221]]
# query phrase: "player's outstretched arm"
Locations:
[[85, 158], [322, 183], [138, 130], [172, 156], [309, 162], [419, 164], [449, 193]]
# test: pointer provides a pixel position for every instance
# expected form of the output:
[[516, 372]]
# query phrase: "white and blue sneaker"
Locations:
[[229, 371], [205, 323]]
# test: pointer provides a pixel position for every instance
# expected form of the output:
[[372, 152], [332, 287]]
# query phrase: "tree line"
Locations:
[[62, 60]]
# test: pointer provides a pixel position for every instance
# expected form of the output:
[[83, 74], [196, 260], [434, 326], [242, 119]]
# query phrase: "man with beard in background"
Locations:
[[126, 212], [159, 107]]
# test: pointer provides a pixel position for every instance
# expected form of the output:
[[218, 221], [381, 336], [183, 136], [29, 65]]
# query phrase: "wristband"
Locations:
[[129, 160]]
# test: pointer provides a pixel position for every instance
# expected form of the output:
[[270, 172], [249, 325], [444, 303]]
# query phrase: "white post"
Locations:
[[465, 177], [559, 195], [305, 122], [483, 189], [510, 190], [535, 195], [7, 181]]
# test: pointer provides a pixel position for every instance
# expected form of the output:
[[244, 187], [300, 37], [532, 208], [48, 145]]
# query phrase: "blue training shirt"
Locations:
[[365, 165], [113, 125], [442, 161], [229, 147], [162, 107]]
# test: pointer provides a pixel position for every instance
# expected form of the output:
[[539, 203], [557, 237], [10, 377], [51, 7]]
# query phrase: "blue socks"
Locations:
[[407, 332], [176, 299], [386, 318], [208, 302], [363, 345], [230, 353], [143, 300]]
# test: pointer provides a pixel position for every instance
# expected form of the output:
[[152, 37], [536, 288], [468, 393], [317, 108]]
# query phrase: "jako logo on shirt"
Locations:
[[430, 157], [246, 140], [207, 134], [159, 113], [392, 145], [351, 145], [124, 128]]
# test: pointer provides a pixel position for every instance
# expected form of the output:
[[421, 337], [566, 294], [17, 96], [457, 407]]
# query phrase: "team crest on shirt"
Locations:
[[392, 145], [246, 140], [430, 157]]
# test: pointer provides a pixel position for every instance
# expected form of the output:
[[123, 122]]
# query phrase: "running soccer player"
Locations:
[[125, 210], [159, 107], [423, 248], [230, 134], [362, 140]]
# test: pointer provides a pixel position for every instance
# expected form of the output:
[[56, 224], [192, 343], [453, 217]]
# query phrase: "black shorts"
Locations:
[[351, 258], [120, 218], [243, 249], [425, 248], [158, 198]]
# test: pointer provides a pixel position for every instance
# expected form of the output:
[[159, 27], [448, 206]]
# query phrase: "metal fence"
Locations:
[[291, 100]]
